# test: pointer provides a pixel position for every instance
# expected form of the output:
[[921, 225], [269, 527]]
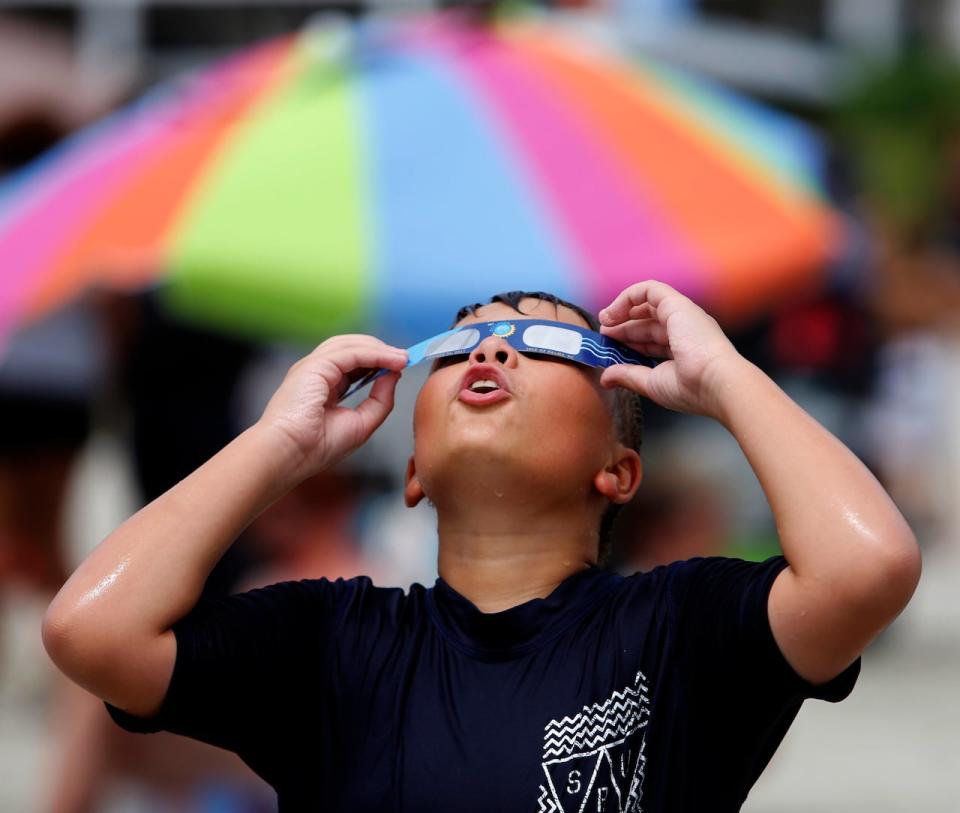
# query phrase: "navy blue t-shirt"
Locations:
[[660, 691]]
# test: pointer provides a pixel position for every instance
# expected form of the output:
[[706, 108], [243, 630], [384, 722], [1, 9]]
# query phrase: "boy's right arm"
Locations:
[[109, 627]]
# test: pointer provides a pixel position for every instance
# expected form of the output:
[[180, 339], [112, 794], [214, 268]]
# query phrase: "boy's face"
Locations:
[[551, 423]]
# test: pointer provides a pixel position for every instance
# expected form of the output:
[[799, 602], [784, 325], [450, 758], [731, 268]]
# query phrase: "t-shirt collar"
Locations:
[[519, 629]]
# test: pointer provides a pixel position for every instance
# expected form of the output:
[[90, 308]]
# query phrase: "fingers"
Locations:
[[637, 331], [639, 301], [648, 337], [353, 426], [354, 352], [353, 338], [337, 345], [632, 376]]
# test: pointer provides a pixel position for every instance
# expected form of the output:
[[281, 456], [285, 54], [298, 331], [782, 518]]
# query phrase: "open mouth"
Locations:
[[484, 384]]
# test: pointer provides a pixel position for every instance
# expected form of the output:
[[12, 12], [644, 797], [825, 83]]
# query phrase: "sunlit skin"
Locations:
[[519, 485]]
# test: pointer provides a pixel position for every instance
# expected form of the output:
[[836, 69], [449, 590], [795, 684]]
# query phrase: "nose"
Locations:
[[494, 350]]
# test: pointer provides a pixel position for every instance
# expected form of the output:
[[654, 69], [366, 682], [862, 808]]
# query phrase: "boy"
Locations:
[[527, 678]]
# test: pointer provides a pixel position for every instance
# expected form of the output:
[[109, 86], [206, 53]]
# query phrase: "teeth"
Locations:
[[484, 384]]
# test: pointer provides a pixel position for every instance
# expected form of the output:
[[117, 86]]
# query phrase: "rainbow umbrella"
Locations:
[[381, 176]]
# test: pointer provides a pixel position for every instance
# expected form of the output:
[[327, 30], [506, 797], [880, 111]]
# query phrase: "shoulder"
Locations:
[[707, 581], [706, 572], [303, 603], [359, 600], [686, 573]]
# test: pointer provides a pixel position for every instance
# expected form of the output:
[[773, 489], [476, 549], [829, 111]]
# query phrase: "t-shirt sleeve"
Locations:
[[719, 610], [251, 664]]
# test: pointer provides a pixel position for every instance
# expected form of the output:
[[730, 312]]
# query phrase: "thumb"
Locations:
[[375, 408], [634, 377]]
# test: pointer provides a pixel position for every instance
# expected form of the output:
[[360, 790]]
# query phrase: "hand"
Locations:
[[304, 408], [658, 321]]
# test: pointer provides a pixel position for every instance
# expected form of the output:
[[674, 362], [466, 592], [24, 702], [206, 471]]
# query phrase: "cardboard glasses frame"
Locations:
[[526, 336]]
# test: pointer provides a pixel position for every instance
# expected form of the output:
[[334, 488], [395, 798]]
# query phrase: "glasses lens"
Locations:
[[462, 340], [551, 337]]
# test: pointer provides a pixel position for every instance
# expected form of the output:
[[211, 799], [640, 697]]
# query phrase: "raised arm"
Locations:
[[108, 629], [853, 560]]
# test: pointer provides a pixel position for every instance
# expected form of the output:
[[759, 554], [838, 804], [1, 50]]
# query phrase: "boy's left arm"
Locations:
[[853, 560]]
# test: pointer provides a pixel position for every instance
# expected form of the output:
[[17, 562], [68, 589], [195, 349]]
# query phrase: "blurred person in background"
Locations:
[[901, 124], [45, 418], [48, 374], [45, 92], [53, 375]]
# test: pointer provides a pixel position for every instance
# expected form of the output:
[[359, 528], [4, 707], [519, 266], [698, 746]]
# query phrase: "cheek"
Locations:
[[426, 410], [575, 412], [421, 417], [572, 389]]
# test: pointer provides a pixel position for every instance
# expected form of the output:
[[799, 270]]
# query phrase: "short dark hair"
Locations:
[[628, 406]]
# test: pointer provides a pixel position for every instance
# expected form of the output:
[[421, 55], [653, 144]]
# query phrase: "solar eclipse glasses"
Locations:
[[536, 336]]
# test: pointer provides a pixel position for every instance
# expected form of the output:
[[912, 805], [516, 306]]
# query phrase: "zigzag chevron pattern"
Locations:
[[607, 721], [633, 799], [587, 738], [545, 802]]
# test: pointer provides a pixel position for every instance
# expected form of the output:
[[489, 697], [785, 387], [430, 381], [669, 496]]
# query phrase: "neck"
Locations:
[[514, 558]]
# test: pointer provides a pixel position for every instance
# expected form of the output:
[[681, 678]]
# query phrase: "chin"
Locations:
[[478, 448], [485, 461]]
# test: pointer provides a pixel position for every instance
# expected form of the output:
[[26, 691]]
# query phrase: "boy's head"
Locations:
[[555, 433]]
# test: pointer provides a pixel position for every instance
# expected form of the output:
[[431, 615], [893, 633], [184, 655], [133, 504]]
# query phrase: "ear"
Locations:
[[619, 481], [412, 490]]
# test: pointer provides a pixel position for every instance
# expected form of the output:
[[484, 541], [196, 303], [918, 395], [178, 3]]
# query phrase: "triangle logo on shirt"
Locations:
[[594, 761]]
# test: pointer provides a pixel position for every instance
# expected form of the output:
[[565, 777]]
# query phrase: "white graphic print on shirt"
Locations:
[[594, 761]]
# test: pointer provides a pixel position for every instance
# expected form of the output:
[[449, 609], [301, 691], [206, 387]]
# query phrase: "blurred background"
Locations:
[[192, 194]]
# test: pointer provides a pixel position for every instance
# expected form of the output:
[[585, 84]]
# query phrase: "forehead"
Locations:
[[532, 309]]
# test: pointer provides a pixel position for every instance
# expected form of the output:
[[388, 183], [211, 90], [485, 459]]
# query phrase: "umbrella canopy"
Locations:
[[380, 177]]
